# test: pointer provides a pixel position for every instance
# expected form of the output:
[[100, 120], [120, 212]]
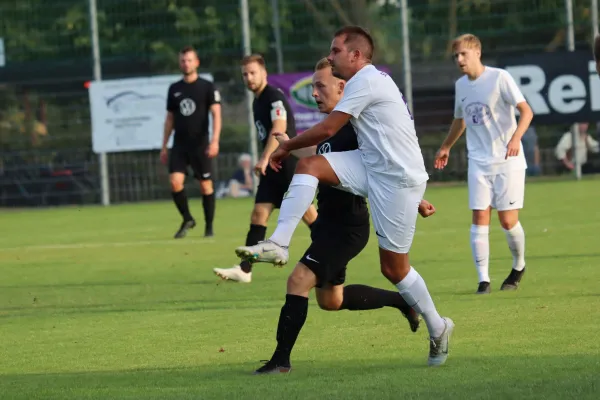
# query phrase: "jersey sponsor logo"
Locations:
[[478, 113], [278, 111], [217, 96], [324, 148], [187, 107], [260, 130]]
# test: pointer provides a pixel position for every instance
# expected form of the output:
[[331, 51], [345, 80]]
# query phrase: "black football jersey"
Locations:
[[336, 205], [269, 106], [190, 104]]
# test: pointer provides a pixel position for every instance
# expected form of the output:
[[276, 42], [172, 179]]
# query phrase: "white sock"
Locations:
[[515, 237], [480, 247], [414, 290], [299, 197]]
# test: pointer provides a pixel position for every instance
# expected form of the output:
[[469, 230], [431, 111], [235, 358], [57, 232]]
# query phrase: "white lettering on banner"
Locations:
[[565, 94], [129, 114], [594, 86], [531, 89]]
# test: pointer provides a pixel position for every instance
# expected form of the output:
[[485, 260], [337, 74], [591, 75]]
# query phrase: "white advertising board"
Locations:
[[129, 114]]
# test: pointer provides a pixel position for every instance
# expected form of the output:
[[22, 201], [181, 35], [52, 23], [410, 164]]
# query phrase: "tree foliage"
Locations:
[[40, 34]]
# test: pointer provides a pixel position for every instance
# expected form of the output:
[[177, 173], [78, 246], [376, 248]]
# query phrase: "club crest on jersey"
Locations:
[[260, 130], [187, 107], [478, 113], [324, 148]]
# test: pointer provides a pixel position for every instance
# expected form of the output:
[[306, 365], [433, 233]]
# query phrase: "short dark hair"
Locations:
[[597, 48], [188, 49], [353, 33], [254, 58]]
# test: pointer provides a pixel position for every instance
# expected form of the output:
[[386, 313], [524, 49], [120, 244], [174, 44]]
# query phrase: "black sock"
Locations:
[[291, 320], [181, 201], [208, 203], [363, 297], [255, 235]]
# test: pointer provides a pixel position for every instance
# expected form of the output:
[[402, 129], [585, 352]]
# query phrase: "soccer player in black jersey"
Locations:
[[272, 113], [339, 234], [189, 103]]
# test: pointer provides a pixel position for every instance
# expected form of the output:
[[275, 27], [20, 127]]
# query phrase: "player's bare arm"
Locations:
[[311, 137], [300, 153], [279, 125], [514, 144], [456, 130], [213, 148], [168, 129]]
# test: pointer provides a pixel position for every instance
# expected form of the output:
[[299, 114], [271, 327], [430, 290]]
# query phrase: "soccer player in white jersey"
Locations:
[[485, 102], [388, 168]]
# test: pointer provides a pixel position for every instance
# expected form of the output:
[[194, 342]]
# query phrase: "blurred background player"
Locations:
[[339, 234], [485, 102], [272, 114], [189, 102]]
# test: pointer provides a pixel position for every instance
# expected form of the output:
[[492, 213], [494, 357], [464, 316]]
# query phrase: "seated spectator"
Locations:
[[585, 144], [531, 151], [241, 184]]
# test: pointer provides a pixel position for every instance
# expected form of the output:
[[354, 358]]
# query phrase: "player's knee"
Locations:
[[259, 216], [308, 166], [176, 183], [329, 304], [206, 187], [298, 284], [508, 221]]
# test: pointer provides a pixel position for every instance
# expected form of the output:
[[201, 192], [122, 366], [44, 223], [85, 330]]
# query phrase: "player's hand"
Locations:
[[568, 164], [277, 158], [164, 155], [261, 167], [281, 137], [213, 150], [426, 209], [512, 150], [441, 158]]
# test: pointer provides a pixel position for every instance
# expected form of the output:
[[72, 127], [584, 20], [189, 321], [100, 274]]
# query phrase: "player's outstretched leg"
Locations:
[[297, 200], [363, 297], [515, 236], [295, 204]]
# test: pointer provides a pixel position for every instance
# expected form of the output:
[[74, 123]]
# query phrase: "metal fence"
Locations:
[[47, 55]]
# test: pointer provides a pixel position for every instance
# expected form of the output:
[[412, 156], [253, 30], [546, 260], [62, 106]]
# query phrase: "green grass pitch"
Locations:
[[102, 303]]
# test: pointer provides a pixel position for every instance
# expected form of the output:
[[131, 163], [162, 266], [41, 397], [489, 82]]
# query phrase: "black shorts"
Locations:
[[333, 246], [194, 157], [273, 185]]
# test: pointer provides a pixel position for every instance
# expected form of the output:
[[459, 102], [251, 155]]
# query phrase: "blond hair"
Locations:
[[253, 58], [469, 40], [322, 64]]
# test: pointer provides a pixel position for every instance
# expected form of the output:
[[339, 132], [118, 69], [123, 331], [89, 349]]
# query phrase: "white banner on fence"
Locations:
[[129, 114]]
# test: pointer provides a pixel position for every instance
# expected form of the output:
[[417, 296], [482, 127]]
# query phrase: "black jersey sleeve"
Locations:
[[213, 95], [171, 106]]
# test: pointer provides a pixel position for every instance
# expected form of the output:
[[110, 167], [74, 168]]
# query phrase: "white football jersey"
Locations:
[[487, 104], [384, 128]]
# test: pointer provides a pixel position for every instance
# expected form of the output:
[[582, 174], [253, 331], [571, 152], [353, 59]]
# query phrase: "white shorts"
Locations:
[[394, 210], [504, 191]]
